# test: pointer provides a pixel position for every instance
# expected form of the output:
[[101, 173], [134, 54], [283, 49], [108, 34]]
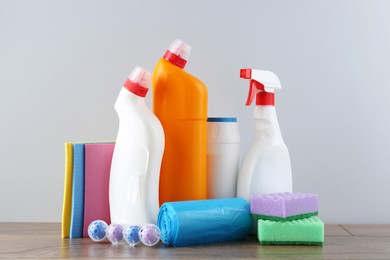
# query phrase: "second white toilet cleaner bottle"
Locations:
[[136, 162], [266, 167]]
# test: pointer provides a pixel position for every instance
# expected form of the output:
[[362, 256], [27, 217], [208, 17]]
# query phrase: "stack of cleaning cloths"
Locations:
[[287, 219], [87, 173]]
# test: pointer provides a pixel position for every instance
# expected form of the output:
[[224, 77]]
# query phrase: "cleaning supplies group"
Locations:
[[160, 159]]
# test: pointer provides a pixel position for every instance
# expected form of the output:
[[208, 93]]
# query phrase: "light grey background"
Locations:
[[62, 64]]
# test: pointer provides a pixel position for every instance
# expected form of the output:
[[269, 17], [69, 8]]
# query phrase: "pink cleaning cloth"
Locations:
[[97, 175]]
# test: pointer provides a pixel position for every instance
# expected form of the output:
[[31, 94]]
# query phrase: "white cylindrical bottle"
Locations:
[[223, 155], [266, 167], [136, 162]]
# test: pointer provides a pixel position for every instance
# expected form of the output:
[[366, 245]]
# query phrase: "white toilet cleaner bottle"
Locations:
[[266, 167], [136, 162]]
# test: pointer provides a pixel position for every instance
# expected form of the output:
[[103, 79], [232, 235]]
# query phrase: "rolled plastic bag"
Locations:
[[203, 221]]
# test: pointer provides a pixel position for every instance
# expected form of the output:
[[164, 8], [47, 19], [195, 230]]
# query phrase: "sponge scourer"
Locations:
[[284, 206], [308, 231]]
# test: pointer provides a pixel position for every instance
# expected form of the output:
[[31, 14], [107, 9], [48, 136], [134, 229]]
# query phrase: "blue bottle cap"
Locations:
[[222, 119]]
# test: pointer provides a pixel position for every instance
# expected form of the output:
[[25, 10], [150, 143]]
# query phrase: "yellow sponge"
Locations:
[[67, 203]]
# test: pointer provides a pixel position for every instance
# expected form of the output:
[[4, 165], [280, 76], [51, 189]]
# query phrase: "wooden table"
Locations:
[[43, 240]]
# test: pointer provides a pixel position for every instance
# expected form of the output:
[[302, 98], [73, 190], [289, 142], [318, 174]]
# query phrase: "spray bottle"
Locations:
[[136, 162], [266, 167]]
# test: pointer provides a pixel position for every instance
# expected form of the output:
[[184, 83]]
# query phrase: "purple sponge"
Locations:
[[284, 206]]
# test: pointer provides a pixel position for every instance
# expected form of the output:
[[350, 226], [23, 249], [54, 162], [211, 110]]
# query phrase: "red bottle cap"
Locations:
[[138, 82], [135, 88], [178, 53]]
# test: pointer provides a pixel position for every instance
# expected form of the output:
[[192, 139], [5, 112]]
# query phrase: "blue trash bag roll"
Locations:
[[203, 221]]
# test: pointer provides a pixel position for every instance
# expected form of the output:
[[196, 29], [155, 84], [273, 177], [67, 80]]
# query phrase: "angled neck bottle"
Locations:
[[180, 103], [135, 167]]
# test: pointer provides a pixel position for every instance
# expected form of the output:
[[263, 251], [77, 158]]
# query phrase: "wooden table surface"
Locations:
[[43, 240]]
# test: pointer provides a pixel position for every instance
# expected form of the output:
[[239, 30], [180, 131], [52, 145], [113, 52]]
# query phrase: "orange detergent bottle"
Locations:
[[180, 103]]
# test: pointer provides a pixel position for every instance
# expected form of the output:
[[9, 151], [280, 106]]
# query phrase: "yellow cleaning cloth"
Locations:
[[67, 204]]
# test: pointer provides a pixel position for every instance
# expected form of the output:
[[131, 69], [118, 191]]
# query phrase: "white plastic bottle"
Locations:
[[266, 167], [136, 162], [223, 156]]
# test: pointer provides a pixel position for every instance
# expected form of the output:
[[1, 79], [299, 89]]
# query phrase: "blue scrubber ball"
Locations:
[[97, 230], [131, 235]]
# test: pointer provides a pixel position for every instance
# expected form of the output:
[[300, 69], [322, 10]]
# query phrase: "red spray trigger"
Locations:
[[253, 85], [262, 85], [246, 73]]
